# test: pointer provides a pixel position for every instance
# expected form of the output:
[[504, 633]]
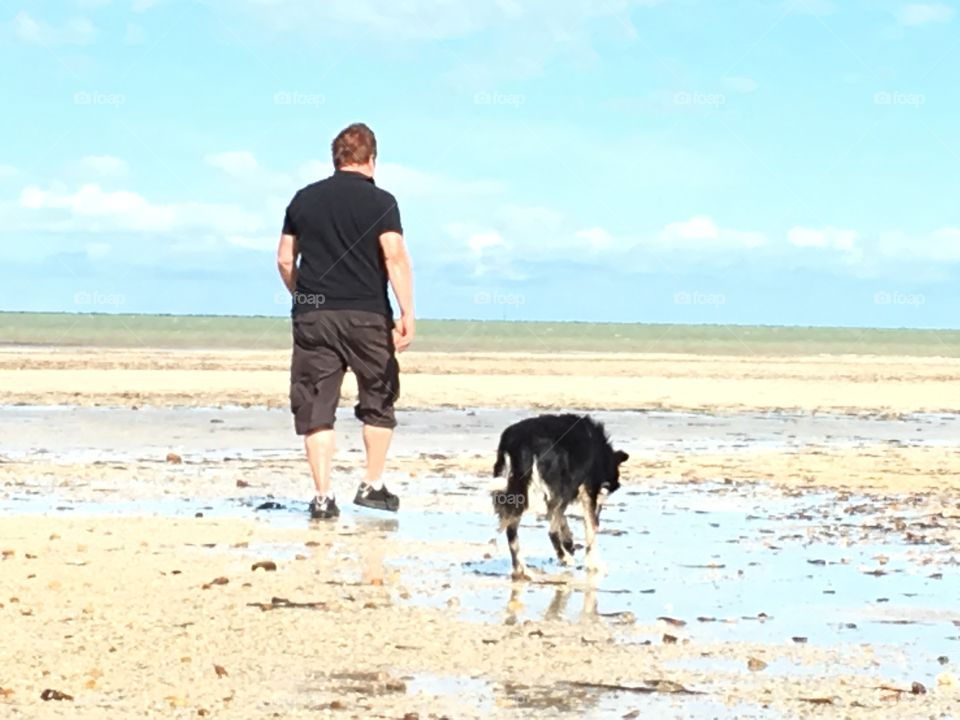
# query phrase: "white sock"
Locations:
[[373, 484]]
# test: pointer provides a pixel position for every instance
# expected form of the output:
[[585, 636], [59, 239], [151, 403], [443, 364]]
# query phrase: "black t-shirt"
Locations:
[[338, 222]]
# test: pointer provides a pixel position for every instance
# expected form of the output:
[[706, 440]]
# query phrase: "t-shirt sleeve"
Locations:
[[390, 219], [289, 226]]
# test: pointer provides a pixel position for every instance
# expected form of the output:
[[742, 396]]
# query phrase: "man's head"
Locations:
[[355, 148]]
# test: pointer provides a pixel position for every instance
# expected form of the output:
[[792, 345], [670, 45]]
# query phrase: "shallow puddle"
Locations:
[[731, 564]]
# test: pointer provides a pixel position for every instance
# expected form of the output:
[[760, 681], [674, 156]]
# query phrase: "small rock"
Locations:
[[266, 565], [943, 659], [756, 664], [174, 459], [49, 694], [918, 689], [673, 621]]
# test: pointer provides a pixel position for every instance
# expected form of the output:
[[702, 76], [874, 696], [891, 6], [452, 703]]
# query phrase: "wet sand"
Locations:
[[766, 604], [785, 544]]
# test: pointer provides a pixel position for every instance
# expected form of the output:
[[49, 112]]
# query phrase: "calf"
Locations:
[[564, 457]]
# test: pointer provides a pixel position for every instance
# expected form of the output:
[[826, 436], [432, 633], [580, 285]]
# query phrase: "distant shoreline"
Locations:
[[223, 332]]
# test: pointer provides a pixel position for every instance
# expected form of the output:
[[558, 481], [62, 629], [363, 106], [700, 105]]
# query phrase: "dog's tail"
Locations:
[[510, 502], [501, 462]]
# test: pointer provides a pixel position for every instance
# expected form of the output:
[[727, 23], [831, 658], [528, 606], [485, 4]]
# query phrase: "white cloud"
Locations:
[[703, 233], [78, 31], [243, 166], [90, 208], [106, 165], [479, 242], [7, 172], [237, 163], [828, 237], [740, 84], [596, 237], [917, 14]]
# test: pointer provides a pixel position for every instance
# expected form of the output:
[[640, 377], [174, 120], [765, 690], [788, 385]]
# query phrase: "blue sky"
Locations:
[[773, 161]]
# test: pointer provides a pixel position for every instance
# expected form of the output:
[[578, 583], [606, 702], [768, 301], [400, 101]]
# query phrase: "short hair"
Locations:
[[354, 145]]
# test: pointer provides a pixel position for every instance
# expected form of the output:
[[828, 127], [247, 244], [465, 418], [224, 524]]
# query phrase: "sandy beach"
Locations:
[[810, 503], [871, 384]]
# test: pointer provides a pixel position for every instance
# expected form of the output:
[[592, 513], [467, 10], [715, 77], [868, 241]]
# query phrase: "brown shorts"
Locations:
[[325, 344]]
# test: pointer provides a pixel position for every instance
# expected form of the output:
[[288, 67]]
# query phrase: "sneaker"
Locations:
[[324, 509], [379, 499]]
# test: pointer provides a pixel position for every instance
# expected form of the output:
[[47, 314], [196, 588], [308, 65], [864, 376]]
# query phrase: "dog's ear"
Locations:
[[620, 456]]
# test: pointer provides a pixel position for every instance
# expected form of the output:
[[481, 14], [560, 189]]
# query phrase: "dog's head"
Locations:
[[611, 481]]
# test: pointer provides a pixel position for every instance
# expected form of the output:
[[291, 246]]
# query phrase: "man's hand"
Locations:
[[403, 331]]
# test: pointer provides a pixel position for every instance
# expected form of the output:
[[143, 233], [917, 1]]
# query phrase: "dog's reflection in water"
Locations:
[[557, 609]]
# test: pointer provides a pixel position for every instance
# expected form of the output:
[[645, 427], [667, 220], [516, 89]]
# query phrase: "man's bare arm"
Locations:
[[400, 274], [287, 261], [399, 270]]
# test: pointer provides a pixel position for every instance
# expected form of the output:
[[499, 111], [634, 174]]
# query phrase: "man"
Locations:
[[347, 235]]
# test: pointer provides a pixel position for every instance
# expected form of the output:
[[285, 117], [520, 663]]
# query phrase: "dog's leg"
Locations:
[[594, 564], [519, 569], [566, 537], [555, 516], [560, 535]]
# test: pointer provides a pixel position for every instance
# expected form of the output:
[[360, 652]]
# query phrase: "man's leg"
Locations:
[[376, 441], [373, 361], [316, 376], [321, 445]]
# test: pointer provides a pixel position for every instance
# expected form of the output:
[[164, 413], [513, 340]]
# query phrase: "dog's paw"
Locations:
[[596, 566], [566, 559], [520, 574]]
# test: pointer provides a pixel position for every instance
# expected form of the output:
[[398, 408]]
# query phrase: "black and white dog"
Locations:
[[566, 458]]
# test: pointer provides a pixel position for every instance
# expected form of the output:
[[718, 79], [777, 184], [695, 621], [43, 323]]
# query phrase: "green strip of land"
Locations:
[[267, 333]]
